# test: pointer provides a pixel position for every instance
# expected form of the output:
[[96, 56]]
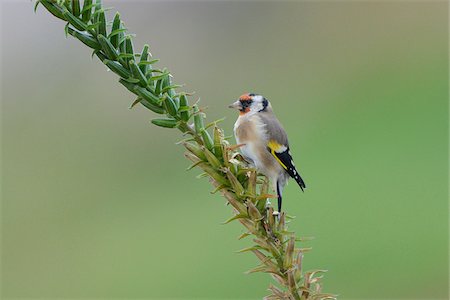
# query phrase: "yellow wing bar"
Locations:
[[276, 147]]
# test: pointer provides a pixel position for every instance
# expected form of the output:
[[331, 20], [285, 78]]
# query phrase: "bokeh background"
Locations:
[[96, 202]]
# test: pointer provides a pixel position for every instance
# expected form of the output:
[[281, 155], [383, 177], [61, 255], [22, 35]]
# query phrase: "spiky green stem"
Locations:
[[228, 172]]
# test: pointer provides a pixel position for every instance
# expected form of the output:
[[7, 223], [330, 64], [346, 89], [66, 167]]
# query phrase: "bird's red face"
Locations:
[[250, 102], [244, 103]]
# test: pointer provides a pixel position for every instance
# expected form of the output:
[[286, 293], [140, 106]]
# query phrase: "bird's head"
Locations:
[[250, 103]]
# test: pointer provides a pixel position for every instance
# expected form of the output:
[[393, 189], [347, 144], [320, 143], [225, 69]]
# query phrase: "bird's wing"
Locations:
[[274, 129], [278, 146]]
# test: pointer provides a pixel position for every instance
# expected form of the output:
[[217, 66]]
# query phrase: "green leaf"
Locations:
[[209, 144], [115, 33], [184, 108], [261, 268], [129, 48], [53, 9], [86, 39], [170, 87], [235, 217], [289, 217], [108, 48], [218, 139], [129, 85], [198, 120], [66, 4], [100, 55], [138, 100], [213, 160], [304, 239], [131, 80], [244, 235], [100, 10], [36, 5], [102, 23], [237, 186], [144, 93], [144, 58], [153, 107], [289, 252], [170, 106], [195, 149], [87, 10], [214, 123], [117, 68], [256, 247], [150, 62], [66, 30], [161, 76], [220, 187], [137, 73], [126, 56], [166, 86], [97, 8], [93, 26], [76, 7], [158, 86], [195, 165], [167, 123], [202, 175], [77, 23]]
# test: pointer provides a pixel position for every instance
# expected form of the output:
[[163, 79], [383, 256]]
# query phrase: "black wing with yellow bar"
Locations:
[[283, 156]]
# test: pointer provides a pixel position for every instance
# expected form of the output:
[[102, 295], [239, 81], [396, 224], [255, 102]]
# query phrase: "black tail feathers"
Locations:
[[300, 181]]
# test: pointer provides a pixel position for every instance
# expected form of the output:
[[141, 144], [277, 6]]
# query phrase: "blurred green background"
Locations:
[[96, 202]]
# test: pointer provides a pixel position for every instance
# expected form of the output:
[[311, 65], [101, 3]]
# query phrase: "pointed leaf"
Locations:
[[235, 217], [167, 123], [194, 165], [244, 235], [261, 268], [87, 10], [76, 8], [36, 5], [256, 247], [220, 187]]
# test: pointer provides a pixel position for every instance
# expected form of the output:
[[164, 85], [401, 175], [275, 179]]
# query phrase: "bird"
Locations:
[[264, 142]]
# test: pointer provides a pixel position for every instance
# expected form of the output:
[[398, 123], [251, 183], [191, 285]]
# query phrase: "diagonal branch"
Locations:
[[245, 191]]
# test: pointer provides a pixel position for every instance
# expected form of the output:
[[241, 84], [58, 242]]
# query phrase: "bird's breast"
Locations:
[[250, 129], [251, 132]]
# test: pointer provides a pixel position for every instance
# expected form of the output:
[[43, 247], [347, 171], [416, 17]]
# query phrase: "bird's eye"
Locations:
[[246, 103]]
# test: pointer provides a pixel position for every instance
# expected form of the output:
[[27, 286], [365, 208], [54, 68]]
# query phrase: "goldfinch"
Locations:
[[264, 142]]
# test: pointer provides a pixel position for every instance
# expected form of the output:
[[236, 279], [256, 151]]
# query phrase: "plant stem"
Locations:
[[240, 185]]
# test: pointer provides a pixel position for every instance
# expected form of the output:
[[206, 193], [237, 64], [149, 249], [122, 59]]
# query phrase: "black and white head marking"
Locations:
[[259, 103]]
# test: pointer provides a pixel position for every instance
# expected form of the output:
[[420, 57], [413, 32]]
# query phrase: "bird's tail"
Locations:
[[300, 181]]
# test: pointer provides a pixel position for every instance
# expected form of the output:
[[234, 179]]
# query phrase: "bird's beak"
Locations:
[[235, 105]]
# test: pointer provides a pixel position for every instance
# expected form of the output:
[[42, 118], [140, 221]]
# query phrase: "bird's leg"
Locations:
[[280, 199]]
